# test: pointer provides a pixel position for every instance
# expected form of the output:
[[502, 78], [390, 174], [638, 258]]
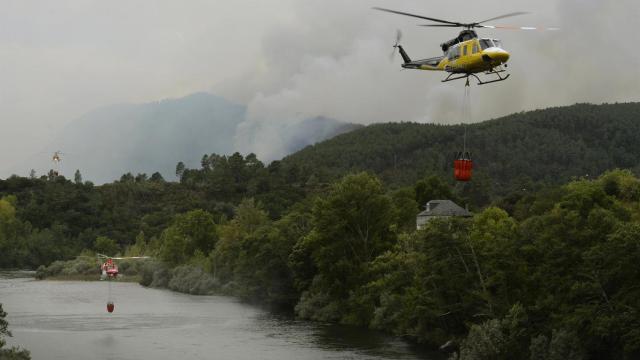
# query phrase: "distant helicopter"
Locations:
[[110, 272], [56, 156], [56, 159], [466, 55]]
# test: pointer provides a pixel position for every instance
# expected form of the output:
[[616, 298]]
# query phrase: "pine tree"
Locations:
[[77, 177]]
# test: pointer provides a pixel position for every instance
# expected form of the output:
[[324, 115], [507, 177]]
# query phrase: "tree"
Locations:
[[564, 345], [174, 246], [499, 339], [44, 247], [77, 177], [12, 244], [140, 247], [199, 228], [432, 188], [608, 277], [106, 246], [12, 353], [231, 250], [52, 175], [426, 286], [141, 178], [261, 268], [496, 259], [250, 216], [351, 226], [204, 162], [405, 205], [3, 327], [252, 163], [156, 177], [191, 232], [180, 168], [127, 178]]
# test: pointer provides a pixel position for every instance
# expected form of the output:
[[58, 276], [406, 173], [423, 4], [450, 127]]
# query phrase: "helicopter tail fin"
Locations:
[[404, 55]]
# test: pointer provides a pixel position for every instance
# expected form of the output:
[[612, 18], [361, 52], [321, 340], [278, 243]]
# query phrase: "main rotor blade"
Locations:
[[502, 27], [504, 16], [439, 25], [417, 16], [121, 258]]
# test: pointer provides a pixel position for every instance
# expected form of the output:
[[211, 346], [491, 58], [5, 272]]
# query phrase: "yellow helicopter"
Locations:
[[466, 55]]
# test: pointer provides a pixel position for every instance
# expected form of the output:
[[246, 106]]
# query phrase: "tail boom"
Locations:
[[404, 55]]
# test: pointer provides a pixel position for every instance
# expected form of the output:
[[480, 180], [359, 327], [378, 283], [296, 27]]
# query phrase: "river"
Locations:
[[68, 320]]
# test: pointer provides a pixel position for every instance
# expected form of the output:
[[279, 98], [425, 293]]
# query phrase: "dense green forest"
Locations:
[[545, 269], [50, 217], [550, 146]]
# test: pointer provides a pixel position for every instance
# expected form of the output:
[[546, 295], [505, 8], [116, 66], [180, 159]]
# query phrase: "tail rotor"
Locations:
[[396, 45]]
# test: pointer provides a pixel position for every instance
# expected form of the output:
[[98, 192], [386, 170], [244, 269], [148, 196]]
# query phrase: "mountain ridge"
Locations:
[[551, 145]]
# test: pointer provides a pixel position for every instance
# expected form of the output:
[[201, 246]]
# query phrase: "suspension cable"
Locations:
[[466, 113]]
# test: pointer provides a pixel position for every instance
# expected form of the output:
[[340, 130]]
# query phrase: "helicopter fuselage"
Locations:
[[466, 57]]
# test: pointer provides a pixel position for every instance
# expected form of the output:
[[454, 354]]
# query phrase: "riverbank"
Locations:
[[184, 279], [85, 268], [94, 277], [16, 273]]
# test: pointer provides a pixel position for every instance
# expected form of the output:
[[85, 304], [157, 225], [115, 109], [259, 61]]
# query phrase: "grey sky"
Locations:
[[291, 59]]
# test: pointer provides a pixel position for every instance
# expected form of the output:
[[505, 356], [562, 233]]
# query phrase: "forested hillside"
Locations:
[[551, 145], [514, 156], [55, 218]]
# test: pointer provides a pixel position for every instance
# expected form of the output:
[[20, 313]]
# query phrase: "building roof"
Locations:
[[443, 208]]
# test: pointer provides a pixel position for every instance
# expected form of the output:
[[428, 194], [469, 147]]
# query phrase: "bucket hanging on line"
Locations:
[[462, 166]]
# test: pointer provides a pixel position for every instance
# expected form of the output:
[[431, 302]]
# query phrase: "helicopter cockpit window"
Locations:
[[497, 43], [486, 43], [454, 52]]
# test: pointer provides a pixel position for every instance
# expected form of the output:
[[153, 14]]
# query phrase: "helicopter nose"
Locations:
[[502, 56], [496, 56]]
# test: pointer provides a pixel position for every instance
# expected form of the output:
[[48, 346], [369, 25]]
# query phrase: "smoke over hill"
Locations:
[[151, 137]]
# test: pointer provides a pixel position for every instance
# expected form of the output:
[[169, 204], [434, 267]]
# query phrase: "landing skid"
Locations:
[[480, 82]]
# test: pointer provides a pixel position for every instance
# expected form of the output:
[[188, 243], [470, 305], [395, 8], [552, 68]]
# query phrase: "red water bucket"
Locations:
[[462, 169], [110, 307]]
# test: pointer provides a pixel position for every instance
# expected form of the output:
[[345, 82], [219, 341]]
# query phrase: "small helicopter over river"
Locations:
[[110, 272], [466, 55]]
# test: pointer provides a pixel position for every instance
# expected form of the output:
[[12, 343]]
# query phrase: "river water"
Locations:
[[68, 320]]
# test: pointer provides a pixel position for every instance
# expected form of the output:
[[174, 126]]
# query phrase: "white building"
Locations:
[[440, 209]]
